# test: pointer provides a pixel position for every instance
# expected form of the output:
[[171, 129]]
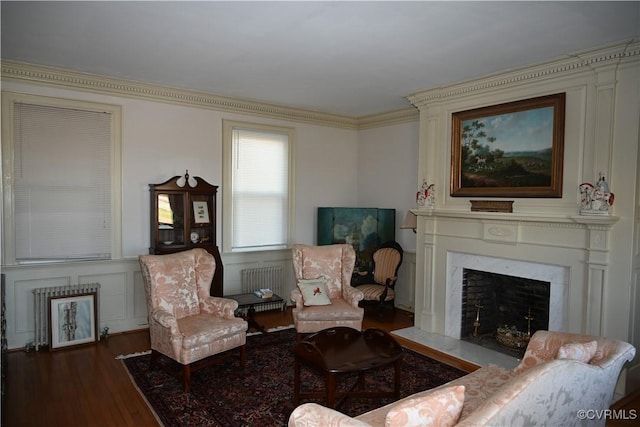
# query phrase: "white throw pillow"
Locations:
[[314, 291], [441, 408], [582, 352]]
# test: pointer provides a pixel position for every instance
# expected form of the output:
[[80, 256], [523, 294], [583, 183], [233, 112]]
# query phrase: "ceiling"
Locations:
[[349, 58]]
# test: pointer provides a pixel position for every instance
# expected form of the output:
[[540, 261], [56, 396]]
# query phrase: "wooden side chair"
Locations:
[[378, 287]]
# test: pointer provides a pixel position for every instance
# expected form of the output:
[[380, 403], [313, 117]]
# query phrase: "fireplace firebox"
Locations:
[[500, 311]]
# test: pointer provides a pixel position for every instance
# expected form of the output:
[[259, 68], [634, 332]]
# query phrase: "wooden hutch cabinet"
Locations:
[[184, 217]]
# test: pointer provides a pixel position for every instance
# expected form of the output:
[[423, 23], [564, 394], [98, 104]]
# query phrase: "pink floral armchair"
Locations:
[[185, 322], [334, 265]]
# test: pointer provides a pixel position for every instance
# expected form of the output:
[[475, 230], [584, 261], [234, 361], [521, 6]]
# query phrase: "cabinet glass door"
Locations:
[[170, 219]]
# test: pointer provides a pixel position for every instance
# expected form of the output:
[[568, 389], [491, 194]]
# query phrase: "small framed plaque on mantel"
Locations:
[[492, 206]]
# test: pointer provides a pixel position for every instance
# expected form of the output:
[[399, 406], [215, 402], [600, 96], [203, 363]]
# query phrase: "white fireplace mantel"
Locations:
[[587, 220], [577, 244]]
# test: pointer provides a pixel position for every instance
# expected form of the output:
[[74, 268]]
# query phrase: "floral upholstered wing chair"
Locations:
[[331, 266], [185, 322]]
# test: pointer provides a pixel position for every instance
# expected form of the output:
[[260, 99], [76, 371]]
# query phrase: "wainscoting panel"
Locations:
[[139, 306], [112, 296], [122, 299], [115, 310], [24, 298]]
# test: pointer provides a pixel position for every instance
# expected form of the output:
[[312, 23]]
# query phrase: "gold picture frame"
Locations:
[[514, 149]]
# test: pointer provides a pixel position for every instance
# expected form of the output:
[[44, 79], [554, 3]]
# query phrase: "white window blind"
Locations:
[[62, 180], [260, 189]]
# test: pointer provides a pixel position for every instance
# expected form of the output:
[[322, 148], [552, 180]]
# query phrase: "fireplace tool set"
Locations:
[[508, 336]]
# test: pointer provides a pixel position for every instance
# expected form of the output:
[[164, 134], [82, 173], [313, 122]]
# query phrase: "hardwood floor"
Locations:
[[88, 386]]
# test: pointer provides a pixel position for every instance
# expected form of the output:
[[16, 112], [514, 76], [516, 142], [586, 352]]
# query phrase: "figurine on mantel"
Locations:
[[595, 199], [426, 197]]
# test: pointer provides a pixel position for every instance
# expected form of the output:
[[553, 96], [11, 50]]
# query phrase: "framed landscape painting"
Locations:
[[509, 150]]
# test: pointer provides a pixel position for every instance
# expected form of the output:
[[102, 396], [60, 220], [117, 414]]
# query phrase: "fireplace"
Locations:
[[569, 253], [500, 311], [506, 277]]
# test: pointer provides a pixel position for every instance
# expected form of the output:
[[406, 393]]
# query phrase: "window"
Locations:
[[258, 189], [61, 194]]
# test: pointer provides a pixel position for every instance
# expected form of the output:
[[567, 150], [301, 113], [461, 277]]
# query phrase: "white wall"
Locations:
[[161, 140], [388, 178]]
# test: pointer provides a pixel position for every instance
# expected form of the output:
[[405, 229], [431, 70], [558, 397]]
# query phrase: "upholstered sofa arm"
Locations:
[[166, 320], [314, 415], [543, 347], [218, 306], [296, 296], [559, 388], [352, 295]]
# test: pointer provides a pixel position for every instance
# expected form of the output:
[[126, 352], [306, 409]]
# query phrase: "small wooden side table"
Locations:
[[251, 301]]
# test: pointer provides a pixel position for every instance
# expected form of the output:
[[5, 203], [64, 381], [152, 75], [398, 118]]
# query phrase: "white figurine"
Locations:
[[595, 199], [426, 197]]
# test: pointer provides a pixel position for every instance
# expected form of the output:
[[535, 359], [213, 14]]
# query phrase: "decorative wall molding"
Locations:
[[570, 65], [57, 77], [405, 115]]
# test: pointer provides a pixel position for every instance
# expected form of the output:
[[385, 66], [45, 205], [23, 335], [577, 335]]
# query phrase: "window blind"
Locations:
[[260, 187], [62, 180]]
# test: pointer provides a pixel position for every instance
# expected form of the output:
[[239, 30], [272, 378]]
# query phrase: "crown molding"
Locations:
[[404, 115], [586, 61], [57, 77], [62, 78]]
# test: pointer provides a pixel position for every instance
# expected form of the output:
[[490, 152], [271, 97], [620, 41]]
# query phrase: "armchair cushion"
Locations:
[[203, 329], [441, 408], [314, 291], [373, 292], [582, 352], [338, 309]]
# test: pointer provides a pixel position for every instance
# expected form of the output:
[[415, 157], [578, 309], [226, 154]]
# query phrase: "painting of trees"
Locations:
[[510, 146]]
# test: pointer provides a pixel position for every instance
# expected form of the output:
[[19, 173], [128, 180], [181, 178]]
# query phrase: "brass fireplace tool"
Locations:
[[529, 318], [476, 324]]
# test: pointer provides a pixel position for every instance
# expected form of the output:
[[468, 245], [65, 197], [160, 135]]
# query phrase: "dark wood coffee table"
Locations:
[[251, 301], [342, 350]]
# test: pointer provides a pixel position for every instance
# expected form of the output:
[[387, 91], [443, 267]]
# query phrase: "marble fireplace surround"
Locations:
[[556, 276], [569, 251]]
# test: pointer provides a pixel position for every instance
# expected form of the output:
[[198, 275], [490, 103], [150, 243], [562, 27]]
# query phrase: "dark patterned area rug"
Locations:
[[261, 394]]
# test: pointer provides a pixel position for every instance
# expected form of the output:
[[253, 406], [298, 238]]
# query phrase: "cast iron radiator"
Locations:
[[41, 307], [253, 279]]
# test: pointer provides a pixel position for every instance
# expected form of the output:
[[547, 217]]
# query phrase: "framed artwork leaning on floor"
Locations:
[[72, 320]]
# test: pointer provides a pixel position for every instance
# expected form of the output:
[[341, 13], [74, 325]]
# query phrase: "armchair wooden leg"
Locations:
[[187, 377], [154, 358], [243, 356]]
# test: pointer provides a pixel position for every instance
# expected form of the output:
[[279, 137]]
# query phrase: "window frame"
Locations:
[[228, 126], [9, 99]]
